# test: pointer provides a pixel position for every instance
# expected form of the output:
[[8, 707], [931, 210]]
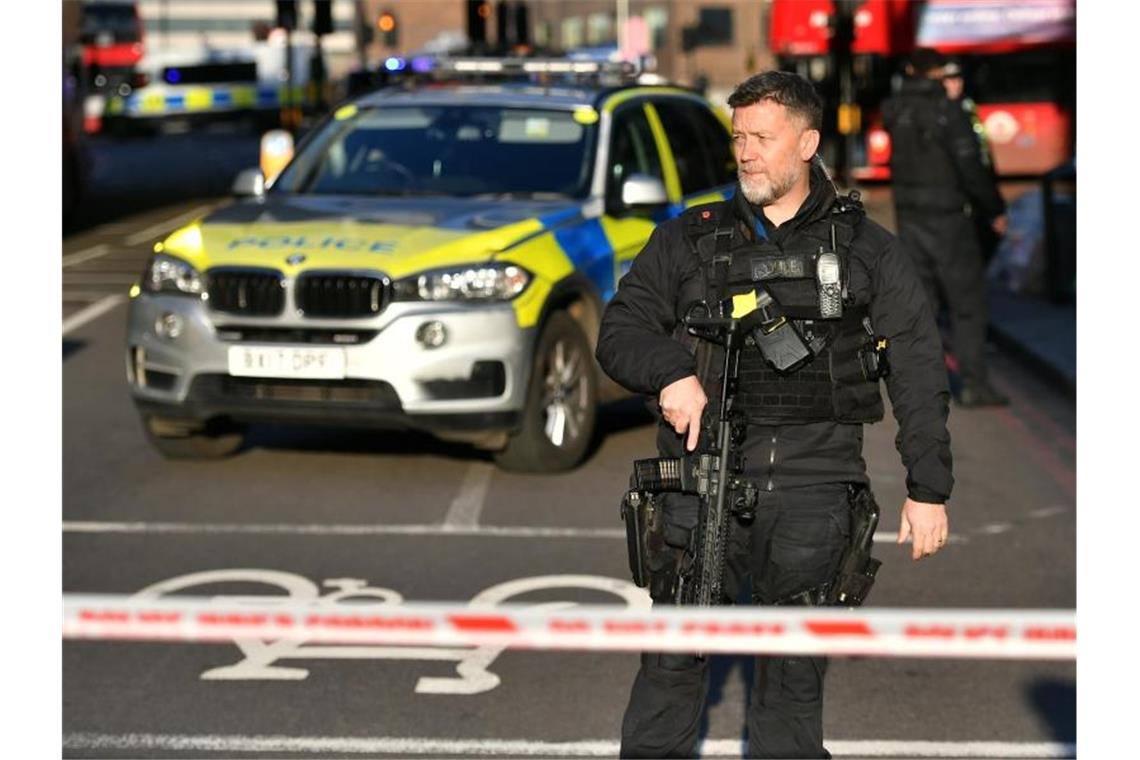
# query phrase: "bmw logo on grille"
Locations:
[[295, 259]]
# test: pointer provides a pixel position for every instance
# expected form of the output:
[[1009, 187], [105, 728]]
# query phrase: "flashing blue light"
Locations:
[[395, 64], [422, 64], [173, 76]]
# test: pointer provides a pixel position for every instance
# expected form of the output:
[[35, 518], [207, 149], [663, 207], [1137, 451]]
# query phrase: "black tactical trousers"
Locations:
[[794, 544], [948, 258]]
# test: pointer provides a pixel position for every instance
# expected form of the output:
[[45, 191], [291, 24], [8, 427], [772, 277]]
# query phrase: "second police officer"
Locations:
[[804, 438], [943, 185]]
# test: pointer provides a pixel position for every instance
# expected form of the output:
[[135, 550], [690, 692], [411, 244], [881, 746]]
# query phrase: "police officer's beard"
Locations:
[[767, 188]]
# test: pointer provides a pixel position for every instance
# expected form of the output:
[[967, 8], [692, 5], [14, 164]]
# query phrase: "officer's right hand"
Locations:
[[682, 403]]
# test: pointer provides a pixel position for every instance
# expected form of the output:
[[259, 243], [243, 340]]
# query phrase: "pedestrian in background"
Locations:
[[942, 185], [804, 439]]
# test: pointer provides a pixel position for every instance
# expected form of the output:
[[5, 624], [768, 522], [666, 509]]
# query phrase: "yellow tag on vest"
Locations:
[[743, 304]]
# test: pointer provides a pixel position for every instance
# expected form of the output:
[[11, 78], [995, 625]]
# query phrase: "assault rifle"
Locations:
[[712, 473]]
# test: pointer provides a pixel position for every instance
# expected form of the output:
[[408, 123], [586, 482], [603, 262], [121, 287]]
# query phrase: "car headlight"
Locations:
[[481, 282], [172, 275]]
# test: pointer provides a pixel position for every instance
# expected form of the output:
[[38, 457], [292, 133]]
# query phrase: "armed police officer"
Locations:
[[943, 186], [803, 437]]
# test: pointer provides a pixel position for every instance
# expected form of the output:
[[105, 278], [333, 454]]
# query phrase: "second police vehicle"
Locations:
[[432, 258]]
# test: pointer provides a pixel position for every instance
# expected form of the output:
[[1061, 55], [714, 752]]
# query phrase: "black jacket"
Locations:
[[637, 347], [936, 159]]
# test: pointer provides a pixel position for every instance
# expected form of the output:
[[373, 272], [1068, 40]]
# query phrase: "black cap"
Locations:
[[925, 60]]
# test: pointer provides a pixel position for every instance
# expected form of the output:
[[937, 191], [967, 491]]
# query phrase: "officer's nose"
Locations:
[[746, 151]]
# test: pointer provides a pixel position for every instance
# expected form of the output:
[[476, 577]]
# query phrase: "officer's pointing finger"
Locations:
[[694, 431]]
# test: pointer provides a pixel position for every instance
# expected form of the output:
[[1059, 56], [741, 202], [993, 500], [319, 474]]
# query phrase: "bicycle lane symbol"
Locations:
[[472, 663]]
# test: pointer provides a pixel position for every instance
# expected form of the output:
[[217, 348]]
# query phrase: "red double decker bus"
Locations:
[[1018, 57]]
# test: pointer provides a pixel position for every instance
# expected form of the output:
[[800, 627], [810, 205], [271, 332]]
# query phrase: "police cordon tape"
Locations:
[[959, 633]]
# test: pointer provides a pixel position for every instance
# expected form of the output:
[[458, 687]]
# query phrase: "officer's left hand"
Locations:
[[927, 525], [1000, 225]]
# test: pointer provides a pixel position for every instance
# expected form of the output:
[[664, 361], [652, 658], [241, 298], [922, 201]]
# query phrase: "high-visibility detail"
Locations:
[[185, 242], [162, 100], [634, 92], [528, 304], [346, 112], [743, 304], [149, 103], [997, 634], [548, 261], [201, 98], [668, 162], [586, 115], [396, 250], [626, 237]]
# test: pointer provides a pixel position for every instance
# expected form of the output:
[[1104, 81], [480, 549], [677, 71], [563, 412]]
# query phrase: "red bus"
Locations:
[[1018, 57]]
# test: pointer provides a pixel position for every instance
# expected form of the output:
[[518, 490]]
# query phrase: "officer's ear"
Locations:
[[809, 144]]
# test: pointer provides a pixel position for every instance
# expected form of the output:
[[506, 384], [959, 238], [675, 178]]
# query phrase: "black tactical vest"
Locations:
[[833, 385]]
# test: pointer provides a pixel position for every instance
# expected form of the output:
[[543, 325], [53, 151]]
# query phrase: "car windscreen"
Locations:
[[109, 23], [453, 150]]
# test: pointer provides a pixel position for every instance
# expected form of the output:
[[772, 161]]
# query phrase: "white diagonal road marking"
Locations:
[[89, 313], [468, 505]]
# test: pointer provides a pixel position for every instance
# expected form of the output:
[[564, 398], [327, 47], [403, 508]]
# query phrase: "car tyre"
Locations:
[[178, 440], [561, 402]]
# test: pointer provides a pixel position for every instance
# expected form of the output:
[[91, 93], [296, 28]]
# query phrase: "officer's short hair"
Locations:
[[789, 90]]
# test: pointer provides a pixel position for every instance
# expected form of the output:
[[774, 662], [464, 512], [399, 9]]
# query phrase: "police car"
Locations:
[[433, 258]]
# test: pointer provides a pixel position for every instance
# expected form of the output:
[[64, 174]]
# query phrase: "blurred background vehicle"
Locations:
[[1018, 60]]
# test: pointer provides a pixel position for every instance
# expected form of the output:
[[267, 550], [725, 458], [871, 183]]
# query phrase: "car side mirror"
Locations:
[[249, 183], [641, 190]]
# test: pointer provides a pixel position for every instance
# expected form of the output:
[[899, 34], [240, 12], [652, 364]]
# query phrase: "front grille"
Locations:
[[331, 337], [376, 394], [331, 294], [252, 292]]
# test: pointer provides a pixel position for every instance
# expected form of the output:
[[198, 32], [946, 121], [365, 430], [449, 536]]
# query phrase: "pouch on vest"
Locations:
[[778, 339]]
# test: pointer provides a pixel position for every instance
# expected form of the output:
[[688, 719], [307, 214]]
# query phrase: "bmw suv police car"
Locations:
[[433, 258]]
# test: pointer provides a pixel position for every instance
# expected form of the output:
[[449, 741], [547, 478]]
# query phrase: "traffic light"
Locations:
[[389, 29], [322, 17], [478, 11], [287, 14]]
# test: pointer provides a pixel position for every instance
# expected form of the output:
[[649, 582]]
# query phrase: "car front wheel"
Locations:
[[178, 440], [561, 402]]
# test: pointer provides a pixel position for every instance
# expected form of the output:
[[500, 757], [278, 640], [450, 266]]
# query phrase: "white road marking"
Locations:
[[122, 279], [89, 295], [504, 747], [94, 252], [155, 230], [89, 313], [1038, 514], [468, 505], [505, 531], [996, 528], [454, 529]]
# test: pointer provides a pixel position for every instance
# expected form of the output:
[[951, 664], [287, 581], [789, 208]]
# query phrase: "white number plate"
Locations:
[[316, 363]]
